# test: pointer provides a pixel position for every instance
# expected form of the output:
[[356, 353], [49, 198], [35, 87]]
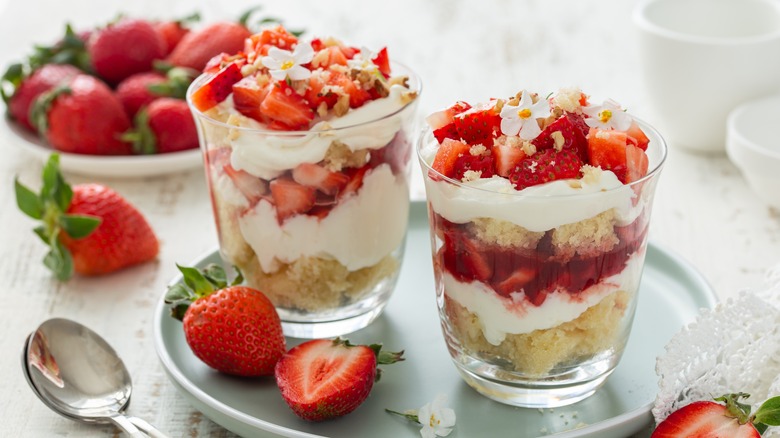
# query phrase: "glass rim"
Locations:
[[652, 133], [415, 86]]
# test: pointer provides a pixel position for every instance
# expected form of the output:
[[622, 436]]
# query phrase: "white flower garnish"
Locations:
[[436, 419], [608, 115], [520, 119], [363, 60], [283, 63]]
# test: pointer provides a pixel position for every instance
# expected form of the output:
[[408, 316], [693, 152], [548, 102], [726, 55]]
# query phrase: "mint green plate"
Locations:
[[670, 296]]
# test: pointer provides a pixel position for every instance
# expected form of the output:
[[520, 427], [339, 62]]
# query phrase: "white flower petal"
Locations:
[[621, 120], [447, 417], [279, 75], [510, 112], [427, 432], [525, 100], [271, 63], [530, 130], [443, 431], [279, 54], [511, 126], [303, 53], [594, 122], [297, 73], [541, 109]]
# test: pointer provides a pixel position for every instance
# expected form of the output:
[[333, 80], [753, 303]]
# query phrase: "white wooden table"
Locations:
[[462, 50]]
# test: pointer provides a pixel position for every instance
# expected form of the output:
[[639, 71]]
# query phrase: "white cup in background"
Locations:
[[702, 58]]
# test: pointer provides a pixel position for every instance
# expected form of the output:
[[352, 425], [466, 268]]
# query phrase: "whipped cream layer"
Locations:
[[267, 156], [499, 316], [358, 232], [537, 208]]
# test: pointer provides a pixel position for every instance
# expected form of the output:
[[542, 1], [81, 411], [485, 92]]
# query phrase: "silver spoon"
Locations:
[[78, 375]]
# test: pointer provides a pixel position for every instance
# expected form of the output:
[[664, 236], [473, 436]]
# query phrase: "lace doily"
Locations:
[[734, 347]]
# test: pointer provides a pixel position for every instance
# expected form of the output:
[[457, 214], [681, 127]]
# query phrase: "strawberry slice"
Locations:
[[465, 258], [545, 166], [478, 124], [291, 198], [284, 105], [477, 163], [329, 56], [444, 117], [258, 44], [447, 156], [382, 62], [573, 131], [637, 136], [317, 93], [636, 163], [322, 179], [507, 157], [356, 177], [357, 95], [607, 149], [252, 187], [515, 281], [323, 379], [217, 88], [248, 96], [708, 419]]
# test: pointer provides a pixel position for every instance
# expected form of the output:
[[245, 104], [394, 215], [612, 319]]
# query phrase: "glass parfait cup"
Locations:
[[536, 293], [331, 269]]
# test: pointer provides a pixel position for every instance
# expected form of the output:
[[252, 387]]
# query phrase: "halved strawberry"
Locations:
[[284, 105], [476, 163], [478, 124], [217, 88], [447, 156], [515, 281], [252, 187], [637, 136], [573, 131], [313, 175], [442, 118], [291, 198], [545, 166], [382, 61], [607, 149], [636, 163], [323, 379], [507, 157], [248, 96]]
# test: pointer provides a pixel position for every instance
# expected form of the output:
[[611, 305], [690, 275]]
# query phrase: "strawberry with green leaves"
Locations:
[[231, 328], [124, 48], [728, 419], [90, 228], [165, 125], [141, 89], [27, 88], [324, 379]]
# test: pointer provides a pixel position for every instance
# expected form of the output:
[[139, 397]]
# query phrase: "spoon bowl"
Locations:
[[77, 374]]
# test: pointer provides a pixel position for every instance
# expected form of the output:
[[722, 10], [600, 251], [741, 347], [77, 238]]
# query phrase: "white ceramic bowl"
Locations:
[[753, 145]]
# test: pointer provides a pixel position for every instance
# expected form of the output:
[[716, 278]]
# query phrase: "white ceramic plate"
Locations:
[[128, 166], [670, 296]]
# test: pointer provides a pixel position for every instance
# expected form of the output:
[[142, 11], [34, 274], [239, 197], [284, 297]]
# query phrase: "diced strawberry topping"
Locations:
[[319, 91], [331, 56], [247, 97], [507, 158], [220, 61], [637, 136], [284, 105], [482, 163], [607, 149], [636, 163], [252, 187], [447, 156], [545, 166], [357, 95], [313, 175], [447, 131], [259, 43], [573, 135], [291, 198], [382, 61], [356, 177], [478, 124], [444, 117], [217, 88]]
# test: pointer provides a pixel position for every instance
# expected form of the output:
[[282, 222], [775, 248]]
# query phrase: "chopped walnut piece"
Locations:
[[557, 137], [342, 105], [398, 80], [408, 96]]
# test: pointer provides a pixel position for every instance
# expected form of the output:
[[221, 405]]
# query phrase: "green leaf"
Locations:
[[40, 231], [59, 261], [50, 171], [177, 292], [769, 412], [10, 81], [239, 277], [243, 19], [28, 201], [215, 274], [192, 18], [408, 415], [179, 309], [760, 427], [78, 226], [143, 138], [196, 281]]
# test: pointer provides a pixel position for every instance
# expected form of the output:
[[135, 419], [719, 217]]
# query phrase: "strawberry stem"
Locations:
[[409, 415], [197, 284]]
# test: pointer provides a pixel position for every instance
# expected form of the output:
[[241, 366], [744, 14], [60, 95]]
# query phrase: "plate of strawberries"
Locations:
[[110, 100]]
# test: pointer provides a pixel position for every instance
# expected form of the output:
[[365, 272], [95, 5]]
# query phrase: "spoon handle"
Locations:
[[146, 427], [123, 423]]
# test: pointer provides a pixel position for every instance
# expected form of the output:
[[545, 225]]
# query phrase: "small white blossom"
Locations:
[[436, 418], [608, 115], [363, 60], [520, 119], [283, 63]]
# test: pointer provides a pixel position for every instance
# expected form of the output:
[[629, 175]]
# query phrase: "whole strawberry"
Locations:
[[708, 419], [30, 87], [323, 379], [197, 47], [165, 125], [233, 329], [82, 117], [90, 228], [141, 89], [125, 48], [174, 30]]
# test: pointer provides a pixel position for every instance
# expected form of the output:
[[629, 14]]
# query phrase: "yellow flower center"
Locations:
[[434, 421], [524, 113], [286, 65], [605, 115]]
